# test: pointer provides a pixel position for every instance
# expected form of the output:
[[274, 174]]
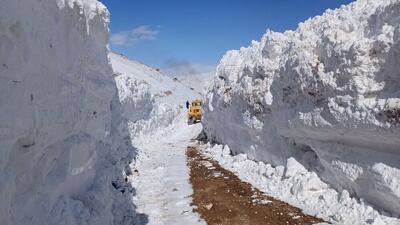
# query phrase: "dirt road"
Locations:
[[221, 198]]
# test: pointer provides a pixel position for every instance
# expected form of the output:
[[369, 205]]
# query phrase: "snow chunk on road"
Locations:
[[293, 167]]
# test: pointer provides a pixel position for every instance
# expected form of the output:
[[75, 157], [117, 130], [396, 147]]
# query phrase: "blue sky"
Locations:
[[164, 33]]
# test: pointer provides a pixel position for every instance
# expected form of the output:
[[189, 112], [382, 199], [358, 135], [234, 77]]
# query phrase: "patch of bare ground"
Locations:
[[221, 198]]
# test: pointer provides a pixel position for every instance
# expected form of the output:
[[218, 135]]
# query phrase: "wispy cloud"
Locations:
[[184, 68], [194, 75], [134, 36]]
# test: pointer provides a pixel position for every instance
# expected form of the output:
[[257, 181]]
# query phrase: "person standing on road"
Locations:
[[187, 104]]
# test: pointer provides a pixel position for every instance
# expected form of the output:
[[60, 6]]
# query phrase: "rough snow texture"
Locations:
[[157, 97], [296, 185], [327, 94], [63, 144]]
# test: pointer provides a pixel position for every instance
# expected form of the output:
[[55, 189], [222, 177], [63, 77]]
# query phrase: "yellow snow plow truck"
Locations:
[[195, 112]]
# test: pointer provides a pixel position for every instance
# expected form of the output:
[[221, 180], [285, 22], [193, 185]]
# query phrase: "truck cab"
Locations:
[[195, 111]]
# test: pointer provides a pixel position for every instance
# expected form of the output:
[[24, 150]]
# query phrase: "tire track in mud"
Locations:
[[221, 198]]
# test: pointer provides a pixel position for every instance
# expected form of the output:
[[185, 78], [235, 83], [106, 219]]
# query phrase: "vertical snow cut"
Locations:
[[64, 146], [326, 94]]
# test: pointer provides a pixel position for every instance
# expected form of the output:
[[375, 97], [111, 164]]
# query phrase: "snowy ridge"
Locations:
[[327, 94], [64, 146], [90, 8]]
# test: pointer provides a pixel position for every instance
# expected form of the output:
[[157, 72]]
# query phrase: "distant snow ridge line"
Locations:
[[64, 145], [327, 94], [151, 100]]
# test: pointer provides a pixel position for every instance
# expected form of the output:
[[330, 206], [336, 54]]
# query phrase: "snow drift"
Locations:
[[327, 94], [64, 145]]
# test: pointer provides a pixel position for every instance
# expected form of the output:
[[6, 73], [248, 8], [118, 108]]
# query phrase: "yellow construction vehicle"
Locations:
[[195, 112]]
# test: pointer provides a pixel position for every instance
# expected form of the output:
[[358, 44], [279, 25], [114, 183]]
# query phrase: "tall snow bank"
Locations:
[[327, 94], [151, 100], [63, 142]]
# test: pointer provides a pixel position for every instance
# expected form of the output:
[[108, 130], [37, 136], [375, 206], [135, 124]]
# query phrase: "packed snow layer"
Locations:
[[327, 94], [64, 145], [296, 185]]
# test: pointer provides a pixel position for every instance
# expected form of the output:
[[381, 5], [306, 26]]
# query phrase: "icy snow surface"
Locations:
[[64, 147], [326, 95], [154, 104]]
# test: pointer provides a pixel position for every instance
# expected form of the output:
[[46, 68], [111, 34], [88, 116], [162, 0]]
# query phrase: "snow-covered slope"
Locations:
[[141, 88], [63, 144], [327, 94], [161, 134]]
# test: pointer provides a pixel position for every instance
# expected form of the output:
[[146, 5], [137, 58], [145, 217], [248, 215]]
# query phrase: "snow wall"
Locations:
[[64, 147], [327, 94]]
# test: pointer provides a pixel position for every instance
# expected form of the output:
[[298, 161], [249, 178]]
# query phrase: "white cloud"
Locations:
[[134, 36], [195, 75], [182, 68]]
